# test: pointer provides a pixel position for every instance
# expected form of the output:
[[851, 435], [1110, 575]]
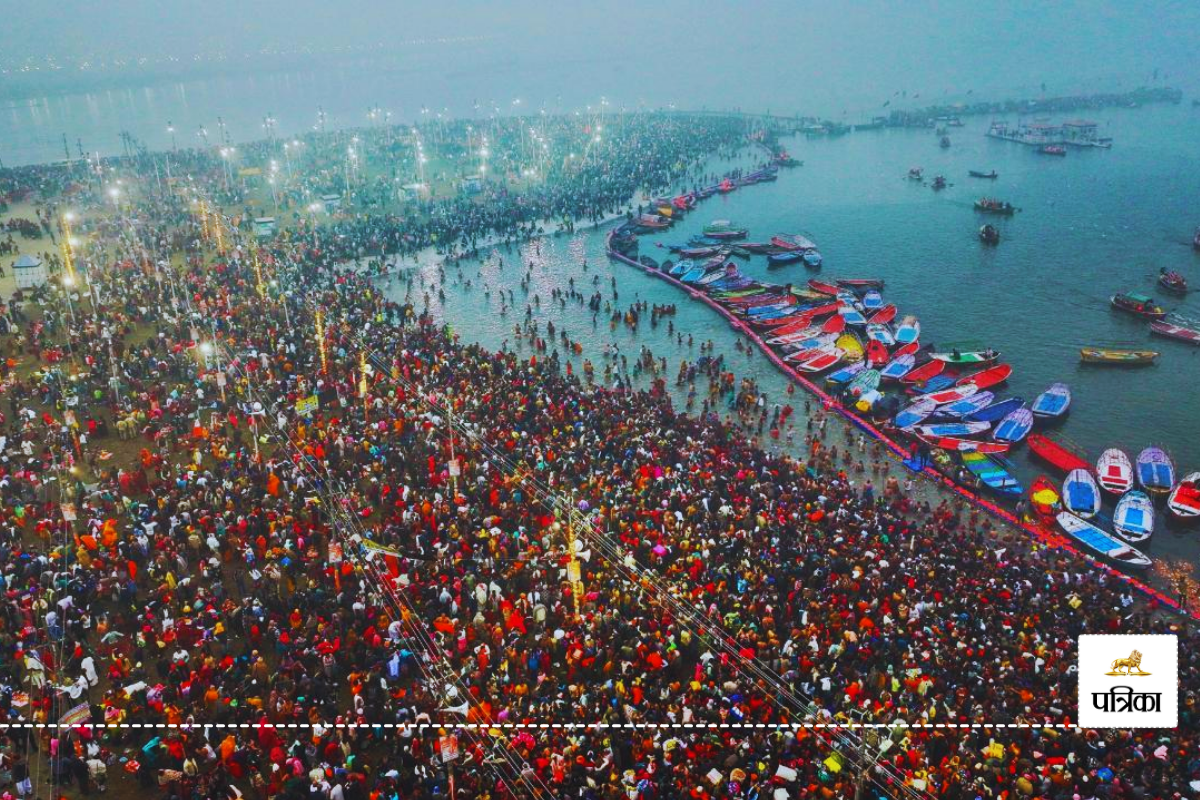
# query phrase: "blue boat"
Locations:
[[935, 384], [872, 300], [1052, 403], [967, 406], [1080, 493], [1101, 542], [1155, 471], [846, 373], [852, 315], [1134, 518], [1015, 427], [939, 430], [994, 473], [898, 367], [914, 414], [812, 259], [782, 259], [998, 410], [695, 274], [682, 268]]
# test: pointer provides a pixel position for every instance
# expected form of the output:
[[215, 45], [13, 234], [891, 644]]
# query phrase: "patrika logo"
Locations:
[[1128, 696], [1134, 662]]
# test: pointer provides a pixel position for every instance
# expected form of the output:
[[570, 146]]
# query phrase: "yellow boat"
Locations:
[[849, 344], [666, 211], [1123, 358]]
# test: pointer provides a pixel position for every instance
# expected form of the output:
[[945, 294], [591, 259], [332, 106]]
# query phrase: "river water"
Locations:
[[1091, 224]]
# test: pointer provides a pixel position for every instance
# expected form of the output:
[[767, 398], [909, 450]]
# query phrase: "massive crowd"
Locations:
[[309, 597]]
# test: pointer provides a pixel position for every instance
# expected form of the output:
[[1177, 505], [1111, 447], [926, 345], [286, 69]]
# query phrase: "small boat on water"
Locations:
[[986, 378], [823, 288], [968, 358], [1184, 499], [872, 300], [1101, 543], [852, 315], [883, 316], [908, 331], [1172, 281], [1196, 235], [918, 173], [1117, 358], [877, 332], [958, 445], [793, 241], [851, 347], [1114, 471], [835, 324], [1052, 403], [990, 205], [1015, 427], [898, 367], [860, 283], [863, 382], [919, 375], [1044, 497], [992, 474], [812, 259], [962, 409], [845, 374], [914, 414], [877, 353], [1155, 471], [825, 359], [989, 234], [998, 410], [1057, 454], [1139, 305], [952, 394], [1133, 519], [785, 258], [1080, 493], [974, 173], [939, 183], [944, 142], [724, 229], [1178, 332], [1053, 150]]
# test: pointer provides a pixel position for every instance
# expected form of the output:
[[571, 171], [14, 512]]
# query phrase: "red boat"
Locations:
[[877, 353], [1138, 304], [1173, 282], [884, 315], [987, 378], [1062, 457], [909, 349], [964, 445], [1045, 497], [726, 186], [1176, 332], [924, 372], [835, 324], [822, 287]]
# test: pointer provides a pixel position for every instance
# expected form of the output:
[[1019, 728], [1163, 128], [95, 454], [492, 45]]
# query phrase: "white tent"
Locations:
[[30, 272]]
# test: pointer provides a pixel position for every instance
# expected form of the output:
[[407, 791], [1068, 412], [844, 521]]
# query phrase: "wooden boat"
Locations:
[[725, 230], [910, 349], [785, 258], [1155, 471], [938, 383], [1184, 499], [1080, 493], [998, 410], [823, 287], [1100, 542], [974, 173], [1172, 281], [704, 251], [877, 332], [1114, 471], [938, 184], [1056, 453], [967, 359], [845, 374], [812, 259], [835, 324], [793, 241], [850, 346], [898, 367], [1179, 332], [1133, 519], [916, 173], [953, 394], [825, 359], [883, 316], [908, 331], [865, 381], [1052, 403], [992, 474], [681, 268], [1044, 497], [1015, 427], [872, 300], [959, 429], [989, 205], [1139, 305], [914, 413], [930, 369], [818, 342], [992, 376], [961, 409], [1117, 358], [653, 221], [853, 315], [861, 283], [989, 234], [958, 445], [1053, 150], [877, 353]]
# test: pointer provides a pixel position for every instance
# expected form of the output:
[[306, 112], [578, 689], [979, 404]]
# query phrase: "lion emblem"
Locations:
[[1128, 666]]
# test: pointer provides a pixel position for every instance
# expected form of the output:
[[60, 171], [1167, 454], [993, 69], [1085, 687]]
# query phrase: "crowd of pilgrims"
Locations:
[[305, 601]]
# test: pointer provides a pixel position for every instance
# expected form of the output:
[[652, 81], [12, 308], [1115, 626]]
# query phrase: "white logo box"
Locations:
[[1159, 657]]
